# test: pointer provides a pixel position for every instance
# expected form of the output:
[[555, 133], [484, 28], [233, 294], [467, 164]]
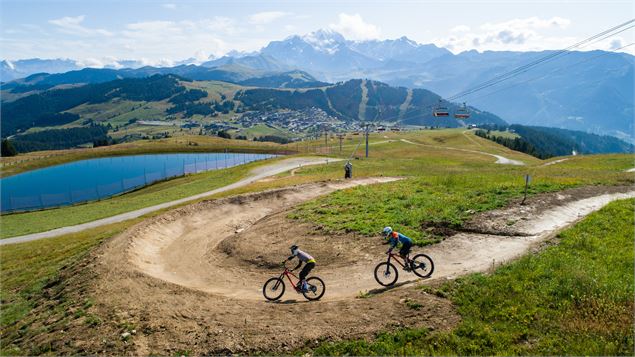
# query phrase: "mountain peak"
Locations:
[[325, 40], [408, 41]]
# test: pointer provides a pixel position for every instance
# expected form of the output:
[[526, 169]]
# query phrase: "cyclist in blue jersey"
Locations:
[[303, 257], [393, 238]]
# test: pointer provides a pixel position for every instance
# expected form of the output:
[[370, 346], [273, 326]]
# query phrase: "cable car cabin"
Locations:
[[441, 112], [461, 115], [462, 112]]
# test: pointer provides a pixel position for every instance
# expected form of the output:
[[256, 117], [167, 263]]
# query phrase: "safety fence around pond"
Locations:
[[116, 180]]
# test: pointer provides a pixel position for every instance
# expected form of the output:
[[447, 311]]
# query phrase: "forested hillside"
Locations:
[[168, 95], [544, 142], [47, 108]]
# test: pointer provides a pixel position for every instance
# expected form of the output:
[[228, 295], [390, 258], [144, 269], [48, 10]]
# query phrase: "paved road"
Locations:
[[257, 174]]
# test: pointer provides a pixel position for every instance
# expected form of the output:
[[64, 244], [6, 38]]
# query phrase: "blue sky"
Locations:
[[161, 32]]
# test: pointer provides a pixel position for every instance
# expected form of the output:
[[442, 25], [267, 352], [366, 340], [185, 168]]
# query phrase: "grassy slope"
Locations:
[[444, 188], [575, 298]]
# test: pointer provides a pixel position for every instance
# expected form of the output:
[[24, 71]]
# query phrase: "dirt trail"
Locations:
[[361, 112], [191, 278], [245, 238], [403, 107], [554, 162], [184, 246], [499, 159]]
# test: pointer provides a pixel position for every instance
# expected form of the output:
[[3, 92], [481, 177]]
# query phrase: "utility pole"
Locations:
[[341, 137], [326, 140], [367, 129]]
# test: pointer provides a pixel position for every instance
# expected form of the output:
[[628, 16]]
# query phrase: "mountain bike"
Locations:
[[274, 287], [386, 273]]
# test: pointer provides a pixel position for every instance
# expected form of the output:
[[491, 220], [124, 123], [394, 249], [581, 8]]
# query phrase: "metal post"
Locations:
[[326, 141], [367, 126], [527, 180]]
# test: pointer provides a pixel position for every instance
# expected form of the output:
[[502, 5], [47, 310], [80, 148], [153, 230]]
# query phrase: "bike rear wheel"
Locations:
[[386, 274], [273, 289], [422, 265], [315, 290]]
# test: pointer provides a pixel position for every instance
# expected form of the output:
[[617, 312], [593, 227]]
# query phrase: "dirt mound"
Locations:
[[266, 243]]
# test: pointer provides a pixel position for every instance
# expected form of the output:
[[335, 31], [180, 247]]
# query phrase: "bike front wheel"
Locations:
[[386, 274], [273, 289], [315, 290], [422, 265]]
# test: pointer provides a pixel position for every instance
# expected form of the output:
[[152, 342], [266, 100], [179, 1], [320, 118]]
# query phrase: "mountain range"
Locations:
[[589, 91]]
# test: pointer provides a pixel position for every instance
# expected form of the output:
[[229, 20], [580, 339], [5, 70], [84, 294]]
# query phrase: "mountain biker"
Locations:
[[302, 257], [393, 238]]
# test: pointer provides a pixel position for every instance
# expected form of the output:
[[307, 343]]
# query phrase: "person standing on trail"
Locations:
[[310, 264], [393, 238]]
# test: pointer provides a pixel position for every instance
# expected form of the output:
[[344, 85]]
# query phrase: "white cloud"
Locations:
[[73, 25], [174, 40], [169, 6], [353, 27], [460, 28], [526, 34], [266, 17], [615, 44]]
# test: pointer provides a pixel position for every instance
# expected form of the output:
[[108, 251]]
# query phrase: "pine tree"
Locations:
[[7, 148]]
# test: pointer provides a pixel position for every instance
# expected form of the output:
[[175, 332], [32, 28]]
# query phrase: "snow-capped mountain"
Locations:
[[10, 70]]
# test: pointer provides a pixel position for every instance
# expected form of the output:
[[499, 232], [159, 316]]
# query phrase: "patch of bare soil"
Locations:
[[509, 221], [190, 280]]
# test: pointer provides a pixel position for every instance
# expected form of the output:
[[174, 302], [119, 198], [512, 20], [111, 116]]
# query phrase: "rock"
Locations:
[[133, 332], [125, 335]]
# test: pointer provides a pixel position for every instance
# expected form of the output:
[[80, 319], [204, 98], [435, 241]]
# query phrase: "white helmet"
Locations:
[[387, 231]]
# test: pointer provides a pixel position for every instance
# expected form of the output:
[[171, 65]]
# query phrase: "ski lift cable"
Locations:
[[549, 57], [548, 74], [568, 53], [606, 35], [546, 58], [500, 78]]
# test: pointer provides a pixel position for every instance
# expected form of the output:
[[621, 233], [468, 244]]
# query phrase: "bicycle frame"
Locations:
[[397, 258], [289, 274]]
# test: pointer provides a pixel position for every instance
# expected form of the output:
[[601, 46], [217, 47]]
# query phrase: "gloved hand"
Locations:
[[389, 251]]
